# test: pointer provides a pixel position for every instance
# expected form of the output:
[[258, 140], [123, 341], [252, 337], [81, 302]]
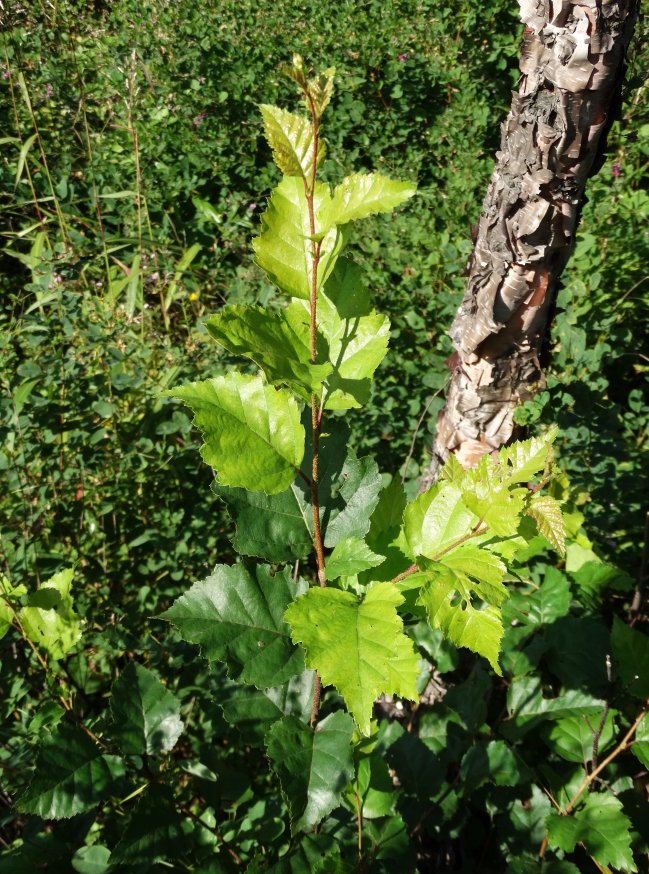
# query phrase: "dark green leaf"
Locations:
[[72, 775], [238, 618], [146, 715], [313, 766], [631, 658]]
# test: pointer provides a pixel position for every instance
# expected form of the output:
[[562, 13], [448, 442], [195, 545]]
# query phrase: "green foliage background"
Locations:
[[131, 136]]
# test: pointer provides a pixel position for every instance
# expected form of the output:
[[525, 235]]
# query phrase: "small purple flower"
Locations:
[[616, 170], [252, 207], [49, 91], [402, 58], [6, 74], [199, 119]]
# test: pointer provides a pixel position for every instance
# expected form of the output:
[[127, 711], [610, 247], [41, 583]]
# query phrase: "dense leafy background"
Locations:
[[133, 169]]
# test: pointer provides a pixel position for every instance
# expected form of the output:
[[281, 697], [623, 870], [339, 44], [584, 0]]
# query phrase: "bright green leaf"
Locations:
[[49, 620], [313, 766], [546, 512], [357, 645], [91, 860], [291, 139], [238, 618], [284, 246], [72, 775], [447, 597], [640, 748], [9, 603], [437, 520], [601, 826], [252, 432], [349, 557], [146, 715], [277, 342], [360, 195]]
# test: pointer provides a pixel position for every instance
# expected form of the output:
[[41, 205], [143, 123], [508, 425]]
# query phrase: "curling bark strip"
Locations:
[[572, 67]]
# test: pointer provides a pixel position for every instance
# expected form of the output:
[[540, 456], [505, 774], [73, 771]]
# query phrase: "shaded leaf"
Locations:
[[357, 645], [272, 527], [72, 775], [146, 715], [631, 658], [600, 826], [313, 766], [358, 490], [251, 431], [152, 833], [252, 711], [238, 618]]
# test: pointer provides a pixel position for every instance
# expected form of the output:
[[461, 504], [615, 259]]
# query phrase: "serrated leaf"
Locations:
[[528, 707], [146, 715], [601, 826], [546, 512], [272, 527], [524, 459], [358, 489], [488, 492], [494, 762], [49, 620], [361, 195], [320, 89], [356, 644], [437, 520], [253, 711], [357, 337], [291, 139], [72, 775], [349, 557], [238, 618], [631, 658], [313, 766], [252, 432], [278, 343], [540, 605], [284, 246], [447, 598], [573, 737]]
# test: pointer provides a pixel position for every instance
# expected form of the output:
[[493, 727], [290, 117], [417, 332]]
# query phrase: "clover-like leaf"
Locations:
[[313, 766], [356, 644], [252, 432], [238, 617]]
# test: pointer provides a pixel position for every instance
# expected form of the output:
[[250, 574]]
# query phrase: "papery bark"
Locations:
[[572, 66]]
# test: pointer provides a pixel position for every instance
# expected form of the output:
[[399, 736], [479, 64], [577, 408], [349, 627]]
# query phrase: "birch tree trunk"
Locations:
[[572, 66]]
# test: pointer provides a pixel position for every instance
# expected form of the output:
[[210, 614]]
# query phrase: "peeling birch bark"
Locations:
[[572, 66]]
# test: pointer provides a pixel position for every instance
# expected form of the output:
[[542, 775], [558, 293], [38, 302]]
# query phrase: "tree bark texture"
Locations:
[[572, 66]]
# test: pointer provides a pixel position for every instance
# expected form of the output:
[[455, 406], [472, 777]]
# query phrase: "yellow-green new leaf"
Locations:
[[320, 90], [9, 603], [284, 247], [436, 520], [356, 644], [252, 431], [546, 512], [363, 194], [49, 620], [447, 598], [291, 139]]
